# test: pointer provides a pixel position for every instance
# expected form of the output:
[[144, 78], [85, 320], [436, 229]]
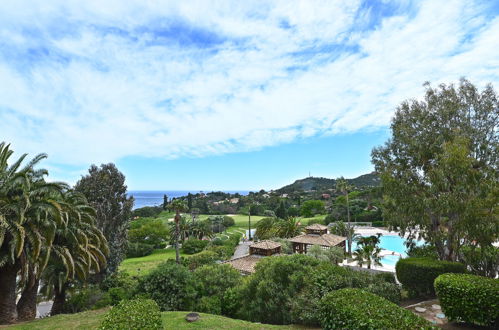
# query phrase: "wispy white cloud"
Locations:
[[95, 81]]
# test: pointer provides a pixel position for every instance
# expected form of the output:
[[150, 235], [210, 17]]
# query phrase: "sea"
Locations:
[[155, 197]]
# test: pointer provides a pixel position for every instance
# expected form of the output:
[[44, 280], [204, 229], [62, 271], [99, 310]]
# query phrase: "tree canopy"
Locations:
[[439, 169]]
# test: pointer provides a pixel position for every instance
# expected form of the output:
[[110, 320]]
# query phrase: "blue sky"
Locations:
[[228, 94]]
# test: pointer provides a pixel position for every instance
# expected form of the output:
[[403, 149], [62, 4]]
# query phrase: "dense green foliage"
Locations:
[[469, 298], [442, 181], [105, 189], [311, 208], [323, 184], [149, 231], [133, 314], [276, 227], [147, 211], [194, 245], [47, 231], [358, 309], [418, 274], [135, 250], [288, 289], [481, 261], [210, 284], [170, 285]]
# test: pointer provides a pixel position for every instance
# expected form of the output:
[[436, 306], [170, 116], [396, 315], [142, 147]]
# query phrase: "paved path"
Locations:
[[242, 249]]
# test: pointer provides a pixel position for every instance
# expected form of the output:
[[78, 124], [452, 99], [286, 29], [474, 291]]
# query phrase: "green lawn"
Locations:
[[143, 265], [171, 321]]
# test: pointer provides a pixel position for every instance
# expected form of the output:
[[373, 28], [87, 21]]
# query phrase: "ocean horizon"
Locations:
[[155, 197]]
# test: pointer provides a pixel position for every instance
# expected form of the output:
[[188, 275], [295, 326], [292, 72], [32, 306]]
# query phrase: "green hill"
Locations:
[[323, 184], [171, 321]]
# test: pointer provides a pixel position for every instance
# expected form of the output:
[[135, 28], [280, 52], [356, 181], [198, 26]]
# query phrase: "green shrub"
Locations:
[[418, 274], [223, 252], [194, 245], [149, 231], [358, 309], [469, 298], [378, 224], [329, 219], [228, 221], [135, 250], [386, 277], [423, 251], [170, 285], [483, 261], [133, 314], [84, 298], [200, 259], [118, 294]]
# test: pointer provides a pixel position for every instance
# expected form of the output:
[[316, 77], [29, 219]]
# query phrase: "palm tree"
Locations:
[[266, 228], [343, 186], [368, 251], [79, 249], [177, 206], [44, 214], [289, 227], [21, 237]]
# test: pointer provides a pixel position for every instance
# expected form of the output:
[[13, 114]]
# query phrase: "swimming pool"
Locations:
[[392, 243]]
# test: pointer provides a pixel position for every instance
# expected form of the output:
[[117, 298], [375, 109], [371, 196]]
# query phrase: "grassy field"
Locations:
[[143, 265], [171, 321]]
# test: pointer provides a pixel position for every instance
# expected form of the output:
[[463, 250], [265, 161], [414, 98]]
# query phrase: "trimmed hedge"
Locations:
[[469, 298], [418, 274], [359, 309], [133, 314]]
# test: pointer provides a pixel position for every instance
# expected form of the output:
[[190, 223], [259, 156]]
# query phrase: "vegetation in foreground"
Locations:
[[171, 321]]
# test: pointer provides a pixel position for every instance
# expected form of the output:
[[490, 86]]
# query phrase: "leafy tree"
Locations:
[[341, 229], [153, 232], [440, 168], [281, 211], [105, 189], [212, 281], [312, 207], [170, 285]]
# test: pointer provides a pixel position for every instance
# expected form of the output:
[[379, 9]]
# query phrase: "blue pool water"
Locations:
[[392, 243]]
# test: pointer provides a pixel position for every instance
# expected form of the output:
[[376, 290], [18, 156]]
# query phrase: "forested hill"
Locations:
[[322, 184]]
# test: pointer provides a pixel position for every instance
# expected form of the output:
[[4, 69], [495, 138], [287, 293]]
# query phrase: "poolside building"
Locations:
[[316, 234], [246, 264]]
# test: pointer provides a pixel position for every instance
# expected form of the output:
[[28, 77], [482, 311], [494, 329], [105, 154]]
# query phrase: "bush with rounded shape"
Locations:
[[469, 298], [223, 252], [273, 286], [170, 285], [311, 208], [136, 250], [210, 283], [228, 221], [418, 274], [133, 314], [200, 259], [194, 245], [359, 309]]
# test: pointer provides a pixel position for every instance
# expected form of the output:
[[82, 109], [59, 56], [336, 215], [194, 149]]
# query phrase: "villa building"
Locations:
[[316, 234], [246, 264]]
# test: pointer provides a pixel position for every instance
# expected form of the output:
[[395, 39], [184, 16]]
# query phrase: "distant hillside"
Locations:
[[321, 184]]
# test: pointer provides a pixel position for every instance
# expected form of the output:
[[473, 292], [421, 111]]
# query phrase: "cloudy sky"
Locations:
[[227, 94]]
